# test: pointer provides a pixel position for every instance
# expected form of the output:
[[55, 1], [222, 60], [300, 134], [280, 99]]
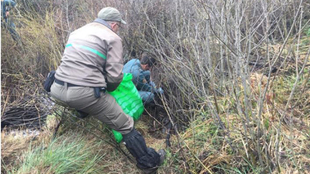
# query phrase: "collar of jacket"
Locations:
[[103, 22]]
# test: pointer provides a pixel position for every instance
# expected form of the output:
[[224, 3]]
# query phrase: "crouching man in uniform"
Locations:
[[91, 65]]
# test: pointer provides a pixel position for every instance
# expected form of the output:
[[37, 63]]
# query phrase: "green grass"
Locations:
[[70, 153]]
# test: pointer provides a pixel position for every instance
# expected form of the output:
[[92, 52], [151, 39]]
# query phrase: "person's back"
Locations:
[[132, 66], [85, 57]]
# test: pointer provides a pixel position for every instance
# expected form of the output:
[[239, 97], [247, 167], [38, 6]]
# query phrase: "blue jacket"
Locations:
[[6, 5], [140, 77]]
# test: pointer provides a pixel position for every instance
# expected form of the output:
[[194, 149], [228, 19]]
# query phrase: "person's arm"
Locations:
[[114, 64], [142, 83], [147, 75]]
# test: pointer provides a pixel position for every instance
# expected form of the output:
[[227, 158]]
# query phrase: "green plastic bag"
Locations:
[[127, 96]]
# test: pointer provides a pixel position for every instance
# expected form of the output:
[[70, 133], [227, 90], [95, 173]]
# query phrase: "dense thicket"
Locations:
[[208, 52]]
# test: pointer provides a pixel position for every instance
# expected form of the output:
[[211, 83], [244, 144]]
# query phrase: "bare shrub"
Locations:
[[218, 60], [208, 51]]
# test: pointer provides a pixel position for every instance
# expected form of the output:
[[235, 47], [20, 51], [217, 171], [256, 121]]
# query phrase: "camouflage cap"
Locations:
[[110, 14]]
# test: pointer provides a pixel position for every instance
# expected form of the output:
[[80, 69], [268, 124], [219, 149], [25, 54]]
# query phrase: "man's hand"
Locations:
[[7, 14], [144, 81], [155, 90], [160, 91], [152, 84]]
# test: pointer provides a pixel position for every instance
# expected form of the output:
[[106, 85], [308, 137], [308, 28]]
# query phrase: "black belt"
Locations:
[[63, 83], [97, 89]]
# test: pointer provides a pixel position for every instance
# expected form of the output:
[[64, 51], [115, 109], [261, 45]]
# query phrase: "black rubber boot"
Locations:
[[147, 158], [153, 170]]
